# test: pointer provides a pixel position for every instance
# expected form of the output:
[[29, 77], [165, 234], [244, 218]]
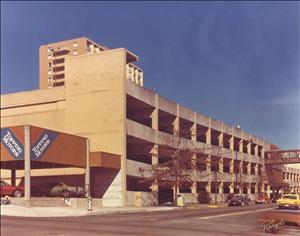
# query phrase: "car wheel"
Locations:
[[280, 207], [65, 193], [17, 193]]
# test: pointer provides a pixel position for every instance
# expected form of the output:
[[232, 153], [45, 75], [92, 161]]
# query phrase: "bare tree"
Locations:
[[183, 166]]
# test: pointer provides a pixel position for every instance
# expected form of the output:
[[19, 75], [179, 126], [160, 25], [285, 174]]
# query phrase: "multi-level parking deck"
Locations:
[[153, 123]]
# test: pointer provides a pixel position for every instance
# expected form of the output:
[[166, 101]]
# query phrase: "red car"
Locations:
[[15, 191], [263, 198]]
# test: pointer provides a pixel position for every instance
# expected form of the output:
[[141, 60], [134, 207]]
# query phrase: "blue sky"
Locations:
[[234, 61]]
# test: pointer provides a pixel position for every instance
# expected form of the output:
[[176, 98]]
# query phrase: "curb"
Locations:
[[33, 212]]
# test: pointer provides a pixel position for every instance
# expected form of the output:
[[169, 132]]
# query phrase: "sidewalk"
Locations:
[[200, 206], [15, 210]]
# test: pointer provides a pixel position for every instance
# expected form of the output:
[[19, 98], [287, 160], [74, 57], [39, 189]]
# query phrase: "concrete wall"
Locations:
[[45, 108], [141, 199], [96, 106]]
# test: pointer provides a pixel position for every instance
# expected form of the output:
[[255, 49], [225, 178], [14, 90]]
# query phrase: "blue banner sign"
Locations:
[[42, 144], [12, 144]]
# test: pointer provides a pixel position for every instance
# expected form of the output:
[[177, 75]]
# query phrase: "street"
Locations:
[[219, 221]]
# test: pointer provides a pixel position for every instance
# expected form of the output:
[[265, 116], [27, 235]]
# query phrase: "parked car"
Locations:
[[262, 198], [58, 190], [11, 190], [239, 200], [289, 201]]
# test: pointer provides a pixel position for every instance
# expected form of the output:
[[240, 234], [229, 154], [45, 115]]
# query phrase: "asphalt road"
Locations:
[[186, 222]]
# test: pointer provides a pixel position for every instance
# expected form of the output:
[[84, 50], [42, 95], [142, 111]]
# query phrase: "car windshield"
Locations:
[[3, 183], [289, 197]]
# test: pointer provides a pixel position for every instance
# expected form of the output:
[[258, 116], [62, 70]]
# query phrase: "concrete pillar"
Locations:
[[208, 164], [87, 168], [27, 163], [263, 187], [241, 147], [240, 187], [241, 171], [154, 156], [127, 71], [194, 187], [249, 168], [249, 188], [176, 123], [194, 171], [221, 188], [178, 191], [248, 148], [221, 143], [263, 156], [256, 188], [231, 188], [256, 157], [208, 158], [256, 150], [208, 187], [154, 151], [194, 128], [208, 132], [154, 119], [221, 139], [13, 177], [221, 164], [142, 78], [136, 76], [231, 143], [249, 158], [231, 166], [241, 166], [132, 74], [176, 126]]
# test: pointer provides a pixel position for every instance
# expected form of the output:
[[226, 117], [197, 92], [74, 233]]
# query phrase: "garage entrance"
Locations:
[[165, 195]]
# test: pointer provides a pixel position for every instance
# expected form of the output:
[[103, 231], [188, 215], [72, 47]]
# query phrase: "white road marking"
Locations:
[[178, 221], [231, 214], [292, 230]]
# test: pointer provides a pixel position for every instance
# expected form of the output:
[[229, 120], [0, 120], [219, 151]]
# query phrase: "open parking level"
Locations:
[[202, 221]]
